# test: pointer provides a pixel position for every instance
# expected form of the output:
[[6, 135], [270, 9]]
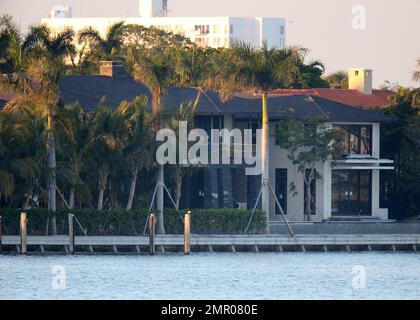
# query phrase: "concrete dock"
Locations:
[[211, 243]]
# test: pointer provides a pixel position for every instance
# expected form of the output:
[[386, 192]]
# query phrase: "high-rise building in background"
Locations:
[[213, 32]]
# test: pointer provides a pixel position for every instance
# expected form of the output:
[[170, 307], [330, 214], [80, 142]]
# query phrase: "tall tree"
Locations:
[[12, 55], [105, 145], [400, 141], [153, 67], [42, 42], [72, 127], [261, 71], [38, 85], [186, 114], [138, 142], [105, 47], [21, 144]]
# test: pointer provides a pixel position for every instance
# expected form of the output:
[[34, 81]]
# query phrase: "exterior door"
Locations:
[[351, 192]]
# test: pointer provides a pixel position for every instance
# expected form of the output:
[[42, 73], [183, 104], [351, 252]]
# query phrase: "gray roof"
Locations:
[[89, 90]]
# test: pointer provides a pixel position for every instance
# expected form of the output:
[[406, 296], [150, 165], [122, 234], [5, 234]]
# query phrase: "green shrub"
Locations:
[[123, 222]]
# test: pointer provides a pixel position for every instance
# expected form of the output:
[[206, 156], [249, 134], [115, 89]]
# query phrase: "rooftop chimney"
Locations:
[[114, 69], [360, 79]]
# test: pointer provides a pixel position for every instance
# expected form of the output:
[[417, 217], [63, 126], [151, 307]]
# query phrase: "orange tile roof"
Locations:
[[353, 98]]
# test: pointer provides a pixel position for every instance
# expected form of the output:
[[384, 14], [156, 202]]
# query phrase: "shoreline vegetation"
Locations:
[[119, 222], [54, 155]]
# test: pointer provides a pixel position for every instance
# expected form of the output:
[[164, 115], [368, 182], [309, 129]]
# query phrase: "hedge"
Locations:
[[129, 223]]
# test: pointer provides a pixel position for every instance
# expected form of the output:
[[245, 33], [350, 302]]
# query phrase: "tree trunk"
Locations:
[[52, 172], [71, 197], [265, 195], [160, 228], [27, 199], [132, 188], [178, 186], [102, 185]]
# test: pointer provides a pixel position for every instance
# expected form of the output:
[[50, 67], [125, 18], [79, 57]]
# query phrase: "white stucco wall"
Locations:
[[295, 203]]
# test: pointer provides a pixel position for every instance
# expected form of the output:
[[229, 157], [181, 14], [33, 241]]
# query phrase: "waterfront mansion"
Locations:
[[349, 188]]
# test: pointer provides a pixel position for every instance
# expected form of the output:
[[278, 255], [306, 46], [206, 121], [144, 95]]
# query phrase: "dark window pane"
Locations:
[[281, 189]]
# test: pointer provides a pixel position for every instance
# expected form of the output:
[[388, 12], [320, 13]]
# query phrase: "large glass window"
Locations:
[[356, 139], [351, 192]]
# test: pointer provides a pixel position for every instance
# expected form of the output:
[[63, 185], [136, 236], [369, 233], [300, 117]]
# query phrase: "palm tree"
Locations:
[[105, 145], [137, 140], [42, 42], [21, 142], [184, 113], [153, 68], [261, 70], [12, 57], [310, 74], [107, 47], [73, 140], [416, 74], [39, 86]]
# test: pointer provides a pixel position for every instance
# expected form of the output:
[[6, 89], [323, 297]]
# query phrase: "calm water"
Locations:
[[212, 276]]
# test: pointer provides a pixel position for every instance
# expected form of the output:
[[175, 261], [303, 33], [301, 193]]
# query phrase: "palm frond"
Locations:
[[10, 27], [7, 183], [115, 31], [89, 34]]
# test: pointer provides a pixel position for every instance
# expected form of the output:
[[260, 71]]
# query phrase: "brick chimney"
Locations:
[[114, 69], [361, 79]]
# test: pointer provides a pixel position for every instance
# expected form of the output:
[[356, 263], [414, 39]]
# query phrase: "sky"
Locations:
[[387, 40]]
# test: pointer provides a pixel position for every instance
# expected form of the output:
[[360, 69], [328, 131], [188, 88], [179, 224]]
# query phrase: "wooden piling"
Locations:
[[71, 233], [187, 233], [152, 225], [23, 232]]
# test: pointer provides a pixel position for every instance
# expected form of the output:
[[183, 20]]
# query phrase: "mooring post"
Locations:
[[71, 233], [152, 225], [1, 233], [187, 233], [23, 232]]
